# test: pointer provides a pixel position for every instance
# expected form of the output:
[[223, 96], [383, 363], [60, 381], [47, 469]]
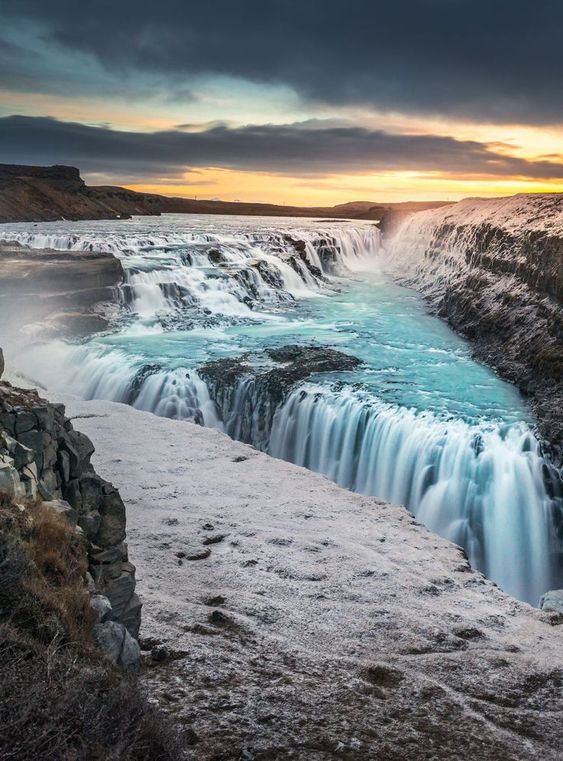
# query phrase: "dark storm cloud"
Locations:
[[309, 148], [485, 59]]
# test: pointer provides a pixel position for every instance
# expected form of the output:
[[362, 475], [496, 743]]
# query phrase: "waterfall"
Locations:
[[482, 487], [191, 296], [233, 276]]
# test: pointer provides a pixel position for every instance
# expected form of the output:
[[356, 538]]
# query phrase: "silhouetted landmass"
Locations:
[[43, 194]]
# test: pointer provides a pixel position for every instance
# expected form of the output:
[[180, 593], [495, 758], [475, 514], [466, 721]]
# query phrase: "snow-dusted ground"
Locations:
[[515, 214], [340, 627]]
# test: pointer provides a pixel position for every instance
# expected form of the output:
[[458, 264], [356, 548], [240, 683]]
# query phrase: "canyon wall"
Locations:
[[494, 270]]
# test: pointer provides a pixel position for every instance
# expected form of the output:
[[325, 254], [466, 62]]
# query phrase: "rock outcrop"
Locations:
[[43, 456], [64, 290], [494, 270], [249, 390]]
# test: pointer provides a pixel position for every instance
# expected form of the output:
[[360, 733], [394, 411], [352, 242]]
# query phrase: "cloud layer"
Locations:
[[498, 60], [302, 149]]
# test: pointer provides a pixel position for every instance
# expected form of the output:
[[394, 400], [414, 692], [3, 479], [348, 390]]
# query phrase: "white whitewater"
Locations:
[[191, 295], [480, 486], [225, 273]]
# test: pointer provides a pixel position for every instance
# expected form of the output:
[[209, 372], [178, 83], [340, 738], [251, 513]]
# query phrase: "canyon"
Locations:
[[298, 340]]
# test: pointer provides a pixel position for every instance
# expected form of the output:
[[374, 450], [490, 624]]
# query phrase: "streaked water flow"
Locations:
[[420, 423]]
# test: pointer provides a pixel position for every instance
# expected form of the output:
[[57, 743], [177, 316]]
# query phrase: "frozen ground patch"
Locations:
[[303, 621]]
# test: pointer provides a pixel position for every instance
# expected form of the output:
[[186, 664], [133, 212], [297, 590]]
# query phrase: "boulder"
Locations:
[[118, 645], [63, 508], [552, 600], [9, 479], [101, 607]]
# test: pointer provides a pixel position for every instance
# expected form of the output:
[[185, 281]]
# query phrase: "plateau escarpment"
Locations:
[[494, 270], [47, 193]]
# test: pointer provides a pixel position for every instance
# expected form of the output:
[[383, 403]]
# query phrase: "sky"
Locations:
[[303, 102]]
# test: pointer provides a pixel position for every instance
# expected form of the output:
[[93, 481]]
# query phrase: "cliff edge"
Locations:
[[493, 268], [292, 619]]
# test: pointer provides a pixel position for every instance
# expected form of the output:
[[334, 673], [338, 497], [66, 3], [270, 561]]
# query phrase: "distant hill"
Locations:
[[42, 194]]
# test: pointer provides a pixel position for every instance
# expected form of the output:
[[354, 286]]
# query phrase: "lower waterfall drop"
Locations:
[[479, 486]]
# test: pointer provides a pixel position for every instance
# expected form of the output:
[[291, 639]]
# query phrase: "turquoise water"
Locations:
[[419, 423], [411, 358]]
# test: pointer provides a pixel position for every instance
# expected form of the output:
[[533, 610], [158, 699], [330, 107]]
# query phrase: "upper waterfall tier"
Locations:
[[178, 271]]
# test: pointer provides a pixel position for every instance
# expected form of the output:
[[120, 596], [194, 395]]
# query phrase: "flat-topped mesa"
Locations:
[[40, 194], [59, 176]]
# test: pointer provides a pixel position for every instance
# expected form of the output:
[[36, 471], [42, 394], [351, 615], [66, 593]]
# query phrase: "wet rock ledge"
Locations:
[[43, 457], [260, 382], [64, 291]]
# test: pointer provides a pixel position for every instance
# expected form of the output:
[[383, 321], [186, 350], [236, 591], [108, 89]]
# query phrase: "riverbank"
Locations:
[[295, 619]]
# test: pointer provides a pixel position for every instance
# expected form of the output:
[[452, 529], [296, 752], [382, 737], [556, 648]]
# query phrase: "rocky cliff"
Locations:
[[494, 270], [298, 620], [43, 457]]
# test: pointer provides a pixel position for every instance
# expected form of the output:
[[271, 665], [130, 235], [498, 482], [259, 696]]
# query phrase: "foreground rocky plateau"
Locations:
[[291, 619]]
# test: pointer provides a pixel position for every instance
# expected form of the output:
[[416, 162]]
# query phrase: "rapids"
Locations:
[[419, 423]]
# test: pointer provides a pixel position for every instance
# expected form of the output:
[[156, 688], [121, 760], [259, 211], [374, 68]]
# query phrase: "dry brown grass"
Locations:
[[58, 705], [60, 700], [50, 599]]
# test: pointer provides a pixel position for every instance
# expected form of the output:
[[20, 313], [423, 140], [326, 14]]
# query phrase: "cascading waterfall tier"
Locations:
[[178, 279]]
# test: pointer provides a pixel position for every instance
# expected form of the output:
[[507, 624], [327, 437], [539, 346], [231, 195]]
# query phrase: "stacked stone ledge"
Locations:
[[41, 455]]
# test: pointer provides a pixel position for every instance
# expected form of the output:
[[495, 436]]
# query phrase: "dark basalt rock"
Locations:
[[139, 378], [294, 363], [248, 390], [42, 454]]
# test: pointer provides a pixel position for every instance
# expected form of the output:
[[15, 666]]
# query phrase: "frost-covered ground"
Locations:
[[314, 623], [515, 214]]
